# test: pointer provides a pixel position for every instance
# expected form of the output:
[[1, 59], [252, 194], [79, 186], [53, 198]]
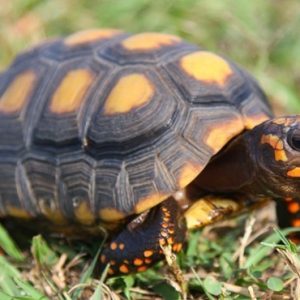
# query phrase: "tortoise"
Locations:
[[144, 135]]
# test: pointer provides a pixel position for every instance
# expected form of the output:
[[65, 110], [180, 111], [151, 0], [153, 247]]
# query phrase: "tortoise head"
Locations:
[[277, 153]]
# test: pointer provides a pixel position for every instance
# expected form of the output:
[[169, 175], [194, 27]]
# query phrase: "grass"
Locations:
[[238, 259]]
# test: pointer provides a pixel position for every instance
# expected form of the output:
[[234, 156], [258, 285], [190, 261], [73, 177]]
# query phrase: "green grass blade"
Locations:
[[9, 246]]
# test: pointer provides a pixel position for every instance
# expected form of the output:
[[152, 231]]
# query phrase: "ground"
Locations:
[[236, 259]]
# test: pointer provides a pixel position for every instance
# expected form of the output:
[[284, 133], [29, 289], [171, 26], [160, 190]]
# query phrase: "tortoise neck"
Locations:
[[230, 171]]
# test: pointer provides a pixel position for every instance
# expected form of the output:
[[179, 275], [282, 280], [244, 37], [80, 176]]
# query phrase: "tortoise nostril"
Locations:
[[294, 139]]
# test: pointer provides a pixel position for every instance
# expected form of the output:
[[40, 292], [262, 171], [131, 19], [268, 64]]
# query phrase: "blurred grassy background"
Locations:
[[262, 35]]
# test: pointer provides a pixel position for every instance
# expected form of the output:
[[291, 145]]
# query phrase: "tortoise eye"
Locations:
[[294, 139]]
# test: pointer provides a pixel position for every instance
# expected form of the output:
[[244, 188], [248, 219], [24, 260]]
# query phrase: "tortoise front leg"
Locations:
[[210, 209], [138, 245]]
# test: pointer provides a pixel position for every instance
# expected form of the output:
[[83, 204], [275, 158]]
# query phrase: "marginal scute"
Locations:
[[71, 91], [53, 214], [206, 67], [89, 36], [110, 214], [188, 173], [18, 92], [17, 212], [84, 214], [220, 133], [149, 41], [131, 91], [148, 202]]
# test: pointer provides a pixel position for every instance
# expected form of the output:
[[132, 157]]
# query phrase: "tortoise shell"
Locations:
[[102, 124]]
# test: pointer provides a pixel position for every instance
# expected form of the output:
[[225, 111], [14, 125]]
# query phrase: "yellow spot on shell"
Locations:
[[110, 214], [293, 207], [252, 121], [188, 173], [131, 91], [124, 269], [71, 91], [206, 67], [295, 172], [149, 41], [18, 93], [220, 133], [148, 202], [17, 212], [84, 214], [89, 36]]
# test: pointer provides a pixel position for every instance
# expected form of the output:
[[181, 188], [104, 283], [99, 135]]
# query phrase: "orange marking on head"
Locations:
[[279, 121], [84, 214], [222, 132], [124, 269], [148, 253], [89, 36], [149, 41], [293, 207], [141, 269], [110, 215], [166, 219], [131, 91], [149, 202], [252, 121], [103, 258], [280, 155], [164, 225], [121, 246], [71, 91], [296, 223], [164, 209], [272, 140], [138, 262], [148, 261], [277, 144], [113, 246], [295, 172], [207, 67], [188, 173], [18, 92]]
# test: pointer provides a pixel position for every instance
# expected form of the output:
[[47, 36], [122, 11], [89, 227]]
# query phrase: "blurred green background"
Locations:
[[261, 35]]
